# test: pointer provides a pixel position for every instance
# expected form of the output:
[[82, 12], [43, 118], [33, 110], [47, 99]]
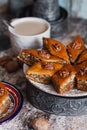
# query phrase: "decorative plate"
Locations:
[[49, 88], [45, 98], [16, 103]]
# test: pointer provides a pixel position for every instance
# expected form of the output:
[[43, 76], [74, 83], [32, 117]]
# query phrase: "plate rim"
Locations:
[[19, 106], [61, 96]]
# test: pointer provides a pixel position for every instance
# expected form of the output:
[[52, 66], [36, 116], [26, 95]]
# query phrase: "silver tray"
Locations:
[[45, 98]]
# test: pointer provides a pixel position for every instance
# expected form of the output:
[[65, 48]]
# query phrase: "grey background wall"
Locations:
[[76, 8]]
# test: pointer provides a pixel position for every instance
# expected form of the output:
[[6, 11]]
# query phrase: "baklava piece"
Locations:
[[81, 76], [42, 71], [30, 57], [56, 48], [45, 56], [75, 48], [63, 80], [4, 99], [82, 57]]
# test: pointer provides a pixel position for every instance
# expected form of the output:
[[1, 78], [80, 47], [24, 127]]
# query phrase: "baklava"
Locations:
[[75, 48], [82, 57], [64, 79], [30, 57], [81, 76], [4, 99], [42, 71], [56, 48]]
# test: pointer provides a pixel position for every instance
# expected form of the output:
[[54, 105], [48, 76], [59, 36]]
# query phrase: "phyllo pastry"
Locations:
[[63, 80], [42, 71], [56, 48], [82, 57], [81, 76], [30, 57], [4, 99], [75, 48]]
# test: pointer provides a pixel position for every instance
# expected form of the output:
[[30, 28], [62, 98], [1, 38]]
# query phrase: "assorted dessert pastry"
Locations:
[[43, 71], [82, 57], [81, 76], [57, 64], [64, 79], [4, 99], [30, 57], [56, 48], [75, 48]]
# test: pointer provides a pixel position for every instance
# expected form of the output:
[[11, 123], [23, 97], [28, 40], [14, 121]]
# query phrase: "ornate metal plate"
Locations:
[[54, 104]]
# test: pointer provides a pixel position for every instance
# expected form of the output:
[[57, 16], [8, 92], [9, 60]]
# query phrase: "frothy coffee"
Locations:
[[30, 28]]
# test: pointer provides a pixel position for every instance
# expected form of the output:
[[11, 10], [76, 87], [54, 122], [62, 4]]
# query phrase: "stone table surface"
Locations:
[[28, 112]]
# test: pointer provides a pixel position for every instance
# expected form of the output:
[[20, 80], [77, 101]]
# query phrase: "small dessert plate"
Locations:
[[16, 103]]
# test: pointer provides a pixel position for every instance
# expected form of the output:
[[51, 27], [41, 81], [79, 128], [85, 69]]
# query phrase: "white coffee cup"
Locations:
[[28, 33]]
